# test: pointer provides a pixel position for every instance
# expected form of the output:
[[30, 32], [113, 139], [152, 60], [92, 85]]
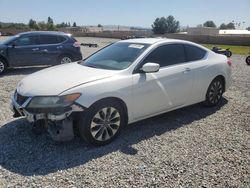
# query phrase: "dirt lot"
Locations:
[[191, 147]]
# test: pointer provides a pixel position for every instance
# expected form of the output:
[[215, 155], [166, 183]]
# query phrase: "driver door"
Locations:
[[25, 51], [166, 89]]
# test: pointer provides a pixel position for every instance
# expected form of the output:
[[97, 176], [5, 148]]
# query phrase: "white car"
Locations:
[[123, 83]]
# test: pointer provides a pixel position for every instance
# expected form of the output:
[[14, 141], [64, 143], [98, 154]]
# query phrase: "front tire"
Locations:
[[102, 122], [248, 60], [3, 66], [214, 92]]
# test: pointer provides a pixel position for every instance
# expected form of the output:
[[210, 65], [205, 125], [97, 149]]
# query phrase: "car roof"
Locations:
[[44, 32], [154, 40], [143, 40], [151, 41]]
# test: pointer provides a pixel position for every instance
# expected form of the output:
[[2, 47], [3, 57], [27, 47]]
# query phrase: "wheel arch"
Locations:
[[5, 60], [223, 81], [119, 100], [65, 54]]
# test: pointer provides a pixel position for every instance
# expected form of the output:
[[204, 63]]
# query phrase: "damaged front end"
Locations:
[[56, 112]]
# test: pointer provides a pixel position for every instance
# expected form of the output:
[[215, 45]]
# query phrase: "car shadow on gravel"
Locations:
[[22, 70], [24, 153]]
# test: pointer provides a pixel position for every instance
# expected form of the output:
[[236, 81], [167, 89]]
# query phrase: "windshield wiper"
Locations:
[[93, 66]]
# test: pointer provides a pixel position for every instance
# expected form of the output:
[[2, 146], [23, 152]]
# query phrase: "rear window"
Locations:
[[61, 39], [73, 39], [194, 53], [48, 39]]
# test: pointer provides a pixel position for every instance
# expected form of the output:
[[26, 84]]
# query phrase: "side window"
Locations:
[[194, 53], [48, 39], [61, 39], [27, 40], [169, 54]]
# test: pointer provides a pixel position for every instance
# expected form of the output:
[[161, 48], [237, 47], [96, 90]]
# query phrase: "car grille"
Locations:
[[20, 99]]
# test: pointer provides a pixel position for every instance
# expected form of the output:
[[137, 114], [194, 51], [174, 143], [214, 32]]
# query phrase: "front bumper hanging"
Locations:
[[58, 124]]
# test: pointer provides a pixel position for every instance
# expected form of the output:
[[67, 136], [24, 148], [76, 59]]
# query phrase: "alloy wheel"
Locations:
[[2, 66], [215, 92], [105, 124], [66, 60]]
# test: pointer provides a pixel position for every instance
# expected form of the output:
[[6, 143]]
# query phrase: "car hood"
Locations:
[[57, 79]]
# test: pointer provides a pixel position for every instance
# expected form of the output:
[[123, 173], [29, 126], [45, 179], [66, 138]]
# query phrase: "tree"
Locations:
[[173, 26], [50, 24], [209, 24], [227, 26], [230, 25], [32, 24], [42, 26], [74, 24], [165, 25], [50, 20], [63, 24], [223, 26], [99, 25], [248, 28], [159, 26]]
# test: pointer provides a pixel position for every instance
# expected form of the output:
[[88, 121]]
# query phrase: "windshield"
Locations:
[[8, 40], [117, 56]]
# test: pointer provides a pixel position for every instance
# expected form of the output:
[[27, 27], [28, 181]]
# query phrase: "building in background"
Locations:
[[216, 32], [203, 31]]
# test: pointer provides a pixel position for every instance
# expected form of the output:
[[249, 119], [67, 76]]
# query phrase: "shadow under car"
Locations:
[[24, 153]]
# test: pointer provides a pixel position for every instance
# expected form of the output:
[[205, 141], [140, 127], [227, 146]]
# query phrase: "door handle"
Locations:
[[35, 49], [59, 47], [45, 50], [187, 70]]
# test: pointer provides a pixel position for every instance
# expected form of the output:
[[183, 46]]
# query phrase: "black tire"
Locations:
[[214, 92], [63, 59], [228, 53], [100, 131], [248, 60], [3, 66]]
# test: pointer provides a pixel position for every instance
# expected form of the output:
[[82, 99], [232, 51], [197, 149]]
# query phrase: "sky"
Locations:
[[126, 12]]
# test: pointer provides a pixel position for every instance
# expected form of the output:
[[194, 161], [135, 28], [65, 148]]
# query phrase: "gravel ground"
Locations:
[[191, 147]]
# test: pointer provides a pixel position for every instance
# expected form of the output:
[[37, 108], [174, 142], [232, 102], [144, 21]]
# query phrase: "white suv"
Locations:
[[123, 83]]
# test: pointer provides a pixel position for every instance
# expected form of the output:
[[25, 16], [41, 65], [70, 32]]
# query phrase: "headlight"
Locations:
[[53, 101]]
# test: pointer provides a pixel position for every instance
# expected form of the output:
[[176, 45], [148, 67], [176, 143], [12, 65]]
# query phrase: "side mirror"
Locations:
[[150, 67]]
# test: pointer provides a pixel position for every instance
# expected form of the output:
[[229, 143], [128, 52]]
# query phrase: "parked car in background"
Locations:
[[123, 83], [38, 48]]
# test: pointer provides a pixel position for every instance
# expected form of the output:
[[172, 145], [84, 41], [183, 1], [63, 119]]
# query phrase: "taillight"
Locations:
[[77, 44], [229, 62]]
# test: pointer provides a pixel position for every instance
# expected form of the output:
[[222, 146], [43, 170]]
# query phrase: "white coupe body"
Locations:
[[145, 94]]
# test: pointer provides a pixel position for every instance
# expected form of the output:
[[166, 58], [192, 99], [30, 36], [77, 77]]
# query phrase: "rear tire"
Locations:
[[63, 59], [102, 122], [3, 66], [214, 92], [248, 60], [228, 53]]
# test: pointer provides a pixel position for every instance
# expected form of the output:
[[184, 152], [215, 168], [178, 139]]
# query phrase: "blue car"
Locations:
[[38, 48]]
